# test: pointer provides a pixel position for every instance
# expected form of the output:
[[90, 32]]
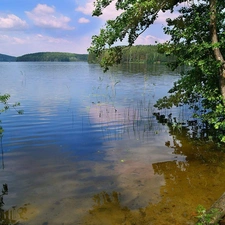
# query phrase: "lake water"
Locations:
[[88, 149]]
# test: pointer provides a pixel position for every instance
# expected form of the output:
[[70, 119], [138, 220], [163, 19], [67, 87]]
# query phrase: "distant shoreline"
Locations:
[[45, 57]]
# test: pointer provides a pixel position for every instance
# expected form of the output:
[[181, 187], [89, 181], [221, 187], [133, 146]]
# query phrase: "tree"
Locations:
[[4, 100], [5, 105], [197, 41]]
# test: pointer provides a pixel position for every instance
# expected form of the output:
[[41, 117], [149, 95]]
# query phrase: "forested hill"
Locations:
[[134, 54], [138, 54], [7, 58], [52, 56]]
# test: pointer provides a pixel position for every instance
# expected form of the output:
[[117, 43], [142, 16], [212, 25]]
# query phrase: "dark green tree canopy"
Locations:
[[197, 41], [136, 17]]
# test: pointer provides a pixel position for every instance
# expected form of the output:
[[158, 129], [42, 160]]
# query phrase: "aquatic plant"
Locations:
[[204, 216], [4, 220], [4, 101]]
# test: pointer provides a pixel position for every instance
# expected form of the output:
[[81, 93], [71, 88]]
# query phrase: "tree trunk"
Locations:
[[217, 53], [222, 81]]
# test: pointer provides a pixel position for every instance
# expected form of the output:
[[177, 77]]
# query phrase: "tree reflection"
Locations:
[[195, 177], [187, 184], [9, 217], [108, 210], [2, 152], [6, 217]]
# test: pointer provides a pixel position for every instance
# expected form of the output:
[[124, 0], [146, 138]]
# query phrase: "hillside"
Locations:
[[7, 58], [138, 54], [52, 56]]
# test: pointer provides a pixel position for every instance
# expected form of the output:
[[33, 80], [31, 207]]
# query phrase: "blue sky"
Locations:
[[28, 26]]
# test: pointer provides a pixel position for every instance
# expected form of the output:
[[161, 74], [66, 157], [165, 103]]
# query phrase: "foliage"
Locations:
[[136, 54], [199, 86], [5, 106], [52, 56], [205, 217], [3, 100], [197, 41], [135, 18]]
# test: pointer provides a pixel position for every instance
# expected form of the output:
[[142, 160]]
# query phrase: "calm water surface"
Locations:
[[88, 149]]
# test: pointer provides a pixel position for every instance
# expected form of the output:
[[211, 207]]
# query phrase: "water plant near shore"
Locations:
[[204, 217]]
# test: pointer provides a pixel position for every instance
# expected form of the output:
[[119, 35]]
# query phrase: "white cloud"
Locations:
[[149, 40], [12, 40], [43, 9], [108, 13], [83, 20], [48, 39], [87, 9], [20, 43], [30, 40], [12, 22], [16, 40], [164, 15], [46, 16]]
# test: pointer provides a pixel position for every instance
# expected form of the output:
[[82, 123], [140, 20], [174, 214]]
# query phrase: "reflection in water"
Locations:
[[14, 215], [136, 121], [187, 184], [85, 134], [6, 216], [194, 175], [108, 210], [2, 151]]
